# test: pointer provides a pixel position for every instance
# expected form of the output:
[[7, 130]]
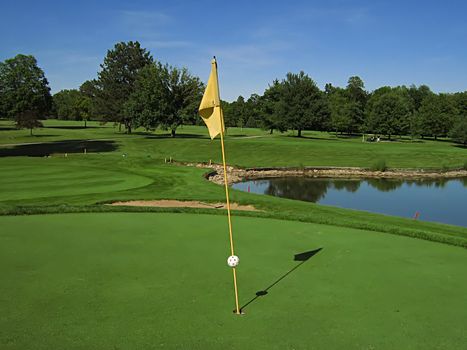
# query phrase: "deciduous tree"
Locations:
[[67, 104], [302, 104], [388, 112], [459, 130], [436, 115], [165, 97], [24, 91]]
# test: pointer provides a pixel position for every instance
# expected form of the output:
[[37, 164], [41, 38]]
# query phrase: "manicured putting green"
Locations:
[[160, 281], [43, 177]]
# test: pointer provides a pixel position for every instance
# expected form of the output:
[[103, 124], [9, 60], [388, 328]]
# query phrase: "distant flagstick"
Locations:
[[211, 100]]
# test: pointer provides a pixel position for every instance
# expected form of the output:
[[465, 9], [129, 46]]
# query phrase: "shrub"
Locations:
[[379, 165]]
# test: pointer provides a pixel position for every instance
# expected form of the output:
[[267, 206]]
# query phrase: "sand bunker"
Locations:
[[169, 203]]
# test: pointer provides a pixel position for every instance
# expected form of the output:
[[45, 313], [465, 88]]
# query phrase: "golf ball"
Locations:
[[233, 261]]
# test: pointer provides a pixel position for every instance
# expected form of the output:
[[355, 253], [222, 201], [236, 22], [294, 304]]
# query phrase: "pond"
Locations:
[[440, 200]]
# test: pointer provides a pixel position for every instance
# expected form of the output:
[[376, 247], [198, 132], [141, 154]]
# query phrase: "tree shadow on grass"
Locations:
[[302, 257], [441, 140], [169, 136], [69, 146], [303, 137], [237, 135], [73, 127], [348, 136]]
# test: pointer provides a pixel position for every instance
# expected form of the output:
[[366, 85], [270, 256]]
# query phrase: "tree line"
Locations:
[[296, 103], [133, 90]]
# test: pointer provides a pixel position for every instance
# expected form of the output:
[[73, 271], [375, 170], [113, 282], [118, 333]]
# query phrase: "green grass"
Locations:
[[123, 277], [153, 281], [47, 184], [254, 147], [42, 178]]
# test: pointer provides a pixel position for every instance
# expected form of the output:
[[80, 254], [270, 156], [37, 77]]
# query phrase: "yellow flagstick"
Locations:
[[229, 218], [237, 308], [210, 110]]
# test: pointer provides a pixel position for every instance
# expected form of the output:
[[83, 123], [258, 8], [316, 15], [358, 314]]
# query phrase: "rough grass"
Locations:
[[117, 281]]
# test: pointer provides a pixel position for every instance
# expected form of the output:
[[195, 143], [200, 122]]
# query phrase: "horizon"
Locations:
[[385, 44]]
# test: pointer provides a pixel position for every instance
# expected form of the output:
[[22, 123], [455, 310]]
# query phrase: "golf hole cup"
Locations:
[[233, 261]]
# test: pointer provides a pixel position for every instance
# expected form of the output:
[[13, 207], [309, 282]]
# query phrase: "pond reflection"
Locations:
[[443, 200]]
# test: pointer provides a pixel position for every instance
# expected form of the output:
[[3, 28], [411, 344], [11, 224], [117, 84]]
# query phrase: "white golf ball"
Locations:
[[233, 261]]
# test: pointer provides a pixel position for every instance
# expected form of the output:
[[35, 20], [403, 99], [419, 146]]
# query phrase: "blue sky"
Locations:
[[384, 42]]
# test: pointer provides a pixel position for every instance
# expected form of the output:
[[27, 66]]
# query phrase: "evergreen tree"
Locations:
[[355, 106], [237, 113], [269, 108], [252, 113], [116, 81]]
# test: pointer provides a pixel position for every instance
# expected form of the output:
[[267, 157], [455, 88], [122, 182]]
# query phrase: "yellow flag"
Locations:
[[210, 107]]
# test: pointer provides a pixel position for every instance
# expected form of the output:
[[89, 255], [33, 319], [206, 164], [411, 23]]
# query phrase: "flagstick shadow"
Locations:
[[303, 258]]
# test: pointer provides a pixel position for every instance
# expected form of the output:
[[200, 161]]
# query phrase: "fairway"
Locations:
[[245, 147], [129, 280]]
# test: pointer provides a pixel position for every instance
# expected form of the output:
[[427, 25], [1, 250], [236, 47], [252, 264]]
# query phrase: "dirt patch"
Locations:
[[169, 203]]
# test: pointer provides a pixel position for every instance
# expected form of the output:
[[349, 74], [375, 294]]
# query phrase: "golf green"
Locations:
[[35, 178], [155, 281]]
